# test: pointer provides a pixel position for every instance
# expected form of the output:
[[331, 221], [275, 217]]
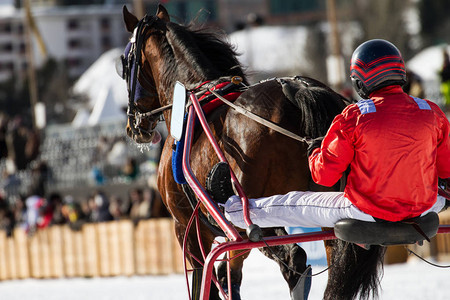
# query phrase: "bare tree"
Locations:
[[384, 19], [316, 53], [435, 21]]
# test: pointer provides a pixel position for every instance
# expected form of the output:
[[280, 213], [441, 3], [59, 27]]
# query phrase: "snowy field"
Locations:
[[262, 280]]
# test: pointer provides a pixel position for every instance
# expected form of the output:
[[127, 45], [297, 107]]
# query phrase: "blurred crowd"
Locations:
[[19, 142], [36, 212], [27, 202]]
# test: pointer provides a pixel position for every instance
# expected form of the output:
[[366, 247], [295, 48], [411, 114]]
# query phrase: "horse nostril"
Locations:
[[129, 132]]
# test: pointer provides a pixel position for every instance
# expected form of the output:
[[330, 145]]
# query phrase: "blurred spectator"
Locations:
[[9, 183], [22, 142], [7, 221], [33, 204], [254, 20], [97, 176], [140, 208], [45, 214], [117, 208], [72, 213], [146, 204], [16, 139], [445, 80], [85, 209], [239, 26], [3, 131], [19, 210], [99, 207], [39, 176], [414, 85], [32, 145], [130, 169], [56, 202]]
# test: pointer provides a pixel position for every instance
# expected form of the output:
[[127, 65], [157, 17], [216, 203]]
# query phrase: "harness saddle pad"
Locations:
[[388, 233], [230, 92]]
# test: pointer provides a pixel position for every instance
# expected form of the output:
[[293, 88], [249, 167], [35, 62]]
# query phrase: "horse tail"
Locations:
[[354, 272]]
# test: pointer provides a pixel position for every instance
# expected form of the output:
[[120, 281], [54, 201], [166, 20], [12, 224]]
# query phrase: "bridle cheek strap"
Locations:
[[140, 92], [136, 90]]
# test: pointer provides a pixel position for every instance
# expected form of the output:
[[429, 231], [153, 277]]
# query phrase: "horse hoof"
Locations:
[[235, 291]]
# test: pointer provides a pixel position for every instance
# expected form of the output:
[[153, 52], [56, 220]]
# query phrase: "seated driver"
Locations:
[[396, 145]]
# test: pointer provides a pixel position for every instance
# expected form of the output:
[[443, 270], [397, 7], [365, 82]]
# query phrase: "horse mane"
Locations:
[[207, 53], [197, 55], [318, 105]]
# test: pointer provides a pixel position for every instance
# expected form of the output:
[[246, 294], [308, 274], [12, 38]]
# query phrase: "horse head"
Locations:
[[160, 53], [139, 66]]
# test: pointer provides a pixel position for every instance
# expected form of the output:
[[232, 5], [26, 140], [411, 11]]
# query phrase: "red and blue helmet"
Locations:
[[374, 65]]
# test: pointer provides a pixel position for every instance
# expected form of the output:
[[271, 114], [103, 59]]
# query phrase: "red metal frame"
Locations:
[[236, 242]]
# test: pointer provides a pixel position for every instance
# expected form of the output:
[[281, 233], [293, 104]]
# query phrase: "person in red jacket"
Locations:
[[395, 146]]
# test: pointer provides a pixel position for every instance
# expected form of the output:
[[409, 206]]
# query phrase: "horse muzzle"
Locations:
[[142, 131]]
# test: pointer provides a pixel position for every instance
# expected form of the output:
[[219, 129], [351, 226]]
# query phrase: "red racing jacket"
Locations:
[[396, 146]]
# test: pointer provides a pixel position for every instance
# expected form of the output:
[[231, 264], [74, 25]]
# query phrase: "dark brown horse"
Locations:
[[264, 161]]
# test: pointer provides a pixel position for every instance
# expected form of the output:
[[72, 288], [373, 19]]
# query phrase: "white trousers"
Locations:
[[304, 209]]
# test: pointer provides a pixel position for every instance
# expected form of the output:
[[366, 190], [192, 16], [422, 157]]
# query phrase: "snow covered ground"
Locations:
[[262, 280]]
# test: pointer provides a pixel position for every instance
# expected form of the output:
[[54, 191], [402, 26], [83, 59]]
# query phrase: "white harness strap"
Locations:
[[421, 103], [366, 106]]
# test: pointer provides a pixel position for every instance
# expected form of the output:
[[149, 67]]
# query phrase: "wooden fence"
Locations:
[[438, 248], [120, 248], [102, 249]]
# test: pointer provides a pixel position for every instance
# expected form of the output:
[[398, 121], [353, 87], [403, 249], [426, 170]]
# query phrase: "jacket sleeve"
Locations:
[[329, 162], [443, 148]]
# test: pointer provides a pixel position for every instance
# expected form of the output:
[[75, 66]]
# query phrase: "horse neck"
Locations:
[[192, 58], [187, 70], [180, 72]]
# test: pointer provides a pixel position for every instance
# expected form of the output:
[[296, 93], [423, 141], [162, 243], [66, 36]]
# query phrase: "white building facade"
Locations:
[[75, 35]]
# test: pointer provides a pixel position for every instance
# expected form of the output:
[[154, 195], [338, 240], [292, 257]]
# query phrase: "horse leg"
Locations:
[[354, 271], [236, 264], [194, 249], [292, 261]]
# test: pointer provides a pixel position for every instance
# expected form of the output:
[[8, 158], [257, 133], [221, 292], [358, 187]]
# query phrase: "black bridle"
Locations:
[[131, 64]]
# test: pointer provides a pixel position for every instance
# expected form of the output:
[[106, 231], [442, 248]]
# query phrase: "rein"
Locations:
[[261, 120], [158, 112]]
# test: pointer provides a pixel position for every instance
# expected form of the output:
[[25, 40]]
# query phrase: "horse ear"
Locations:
[[129, 19], [162, 13]]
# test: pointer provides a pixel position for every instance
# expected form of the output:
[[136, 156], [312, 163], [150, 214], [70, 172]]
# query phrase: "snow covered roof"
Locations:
[[102, 75], [106, 91], [428, 62], [106, 108], [271, 48]]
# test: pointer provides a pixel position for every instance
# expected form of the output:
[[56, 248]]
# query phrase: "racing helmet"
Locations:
[[374, 65]]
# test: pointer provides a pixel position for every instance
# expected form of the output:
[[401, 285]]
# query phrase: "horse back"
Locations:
[[265, 161]]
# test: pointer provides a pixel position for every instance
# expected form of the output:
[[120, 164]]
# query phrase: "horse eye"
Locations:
[[120, 66]]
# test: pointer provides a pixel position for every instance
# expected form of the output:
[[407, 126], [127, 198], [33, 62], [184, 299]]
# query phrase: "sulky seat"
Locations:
[[387, 233]]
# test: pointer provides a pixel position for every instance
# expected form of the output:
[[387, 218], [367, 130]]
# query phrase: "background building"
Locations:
[[233, 14], [73, 35]]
